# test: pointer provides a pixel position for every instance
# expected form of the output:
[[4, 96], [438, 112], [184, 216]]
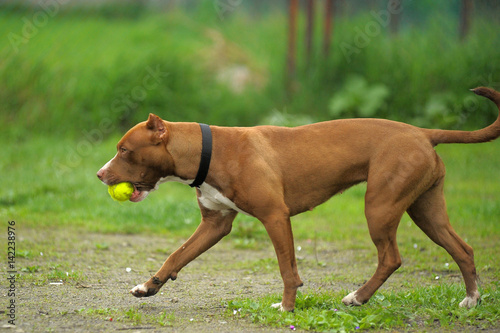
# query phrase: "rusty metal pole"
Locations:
[[327, 34], [395, 11], [465, 17], [292, 35], [309, 30]]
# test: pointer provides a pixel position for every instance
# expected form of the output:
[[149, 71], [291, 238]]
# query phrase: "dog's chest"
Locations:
[[212, 199]]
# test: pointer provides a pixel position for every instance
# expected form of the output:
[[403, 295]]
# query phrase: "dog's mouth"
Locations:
[[139, 194]]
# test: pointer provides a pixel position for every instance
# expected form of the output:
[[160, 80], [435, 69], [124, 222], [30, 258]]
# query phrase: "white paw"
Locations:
[[470, 302], [139, 290], [278, 306], [351, 299]]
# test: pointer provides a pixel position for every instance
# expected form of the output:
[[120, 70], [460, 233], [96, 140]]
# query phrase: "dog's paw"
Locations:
[[281, 307], [142, 291], [139, 291], [351, 300], [278, 306], [470, 302]]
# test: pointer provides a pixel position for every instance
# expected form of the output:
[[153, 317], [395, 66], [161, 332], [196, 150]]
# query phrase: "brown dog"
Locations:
[[273, 173]]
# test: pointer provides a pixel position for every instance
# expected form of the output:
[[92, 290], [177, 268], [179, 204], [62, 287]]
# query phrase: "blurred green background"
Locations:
[[66, 68], [75, 75]]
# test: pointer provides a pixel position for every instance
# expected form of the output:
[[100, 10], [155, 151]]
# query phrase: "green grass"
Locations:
[[85, 66], [416, 309]]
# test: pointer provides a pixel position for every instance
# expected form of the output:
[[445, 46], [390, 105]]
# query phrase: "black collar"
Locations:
[[206, 155]]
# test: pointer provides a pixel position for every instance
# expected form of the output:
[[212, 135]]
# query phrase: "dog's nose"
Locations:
[[100, 174]]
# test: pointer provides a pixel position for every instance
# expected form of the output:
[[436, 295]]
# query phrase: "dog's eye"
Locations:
[[123, 149]]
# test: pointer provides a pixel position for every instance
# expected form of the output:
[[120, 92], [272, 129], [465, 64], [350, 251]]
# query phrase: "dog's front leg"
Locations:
[[214, 226], [279, 229]]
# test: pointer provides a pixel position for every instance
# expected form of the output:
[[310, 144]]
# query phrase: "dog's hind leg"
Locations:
[[382, 225], [429, 213], [393, 185]]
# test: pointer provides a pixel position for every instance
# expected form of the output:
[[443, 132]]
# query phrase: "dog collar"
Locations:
[[206, 155]]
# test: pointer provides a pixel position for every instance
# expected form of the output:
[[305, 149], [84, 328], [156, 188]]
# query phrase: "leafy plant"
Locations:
[[30, 269], [134, 315], [439, 110], [358, 99]]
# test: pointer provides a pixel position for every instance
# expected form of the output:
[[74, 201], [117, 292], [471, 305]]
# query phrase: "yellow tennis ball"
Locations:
[[121, 191]]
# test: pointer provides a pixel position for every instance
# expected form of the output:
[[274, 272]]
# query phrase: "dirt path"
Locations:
[[79, 283]]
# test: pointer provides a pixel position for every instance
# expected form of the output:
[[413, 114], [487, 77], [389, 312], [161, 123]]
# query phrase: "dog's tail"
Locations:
[[483, 135]]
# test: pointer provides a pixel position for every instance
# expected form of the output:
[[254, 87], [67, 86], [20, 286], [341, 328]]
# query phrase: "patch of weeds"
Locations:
[[102, 246], [100, 312], [407, 309], [61, 275], [30, 269], [133, 315], [29, 278], [165, 319], [38, 275], [27, 254], [107, 313]]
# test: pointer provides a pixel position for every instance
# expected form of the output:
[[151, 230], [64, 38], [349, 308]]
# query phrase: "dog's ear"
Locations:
[[157, 125]]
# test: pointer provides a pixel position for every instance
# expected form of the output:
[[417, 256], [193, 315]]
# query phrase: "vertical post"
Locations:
[[395, 10], [309, 30], [465, 17], [327, 34], [292, 34]]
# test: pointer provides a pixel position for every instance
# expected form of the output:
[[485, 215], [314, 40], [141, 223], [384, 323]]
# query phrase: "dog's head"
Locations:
[[141, 159]]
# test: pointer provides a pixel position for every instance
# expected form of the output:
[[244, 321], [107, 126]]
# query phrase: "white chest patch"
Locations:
[[210, 198]]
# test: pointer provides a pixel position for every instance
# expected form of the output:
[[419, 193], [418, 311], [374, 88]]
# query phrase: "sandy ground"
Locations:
[[96, 290]]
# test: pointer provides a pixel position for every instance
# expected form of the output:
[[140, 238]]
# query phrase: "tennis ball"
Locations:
[[121, 191]]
